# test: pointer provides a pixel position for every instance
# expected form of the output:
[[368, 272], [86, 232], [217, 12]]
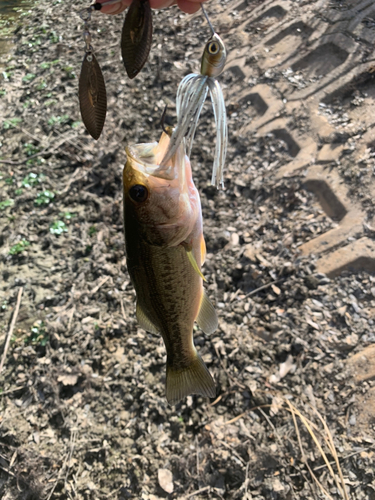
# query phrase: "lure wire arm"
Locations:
[[162, 120], [207, 19]]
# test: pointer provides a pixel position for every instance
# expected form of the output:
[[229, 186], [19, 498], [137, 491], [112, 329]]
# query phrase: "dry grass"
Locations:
[[317, 434]]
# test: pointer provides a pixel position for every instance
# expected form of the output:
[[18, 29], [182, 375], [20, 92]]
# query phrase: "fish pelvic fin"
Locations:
[[207, 317], [193, 379]]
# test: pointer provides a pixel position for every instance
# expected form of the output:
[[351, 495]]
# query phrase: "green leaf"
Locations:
[[41, 86], [38, 334], [58, 120], [67, 215], [58, 227], [6, 203], [28, 78], [19, 247], [44, 198], [12, 123], [32, 179]]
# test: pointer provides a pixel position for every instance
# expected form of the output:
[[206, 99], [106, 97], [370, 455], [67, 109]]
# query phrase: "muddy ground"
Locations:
[[82, 407]]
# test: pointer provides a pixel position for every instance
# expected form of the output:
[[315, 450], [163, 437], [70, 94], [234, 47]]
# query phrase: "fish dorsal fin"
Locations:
[[144, 321], [207, 317], [193, 262]]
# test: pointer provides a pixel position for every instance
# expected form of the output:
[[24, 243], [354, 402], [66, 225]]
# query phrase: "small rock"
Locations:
[[165, 479]]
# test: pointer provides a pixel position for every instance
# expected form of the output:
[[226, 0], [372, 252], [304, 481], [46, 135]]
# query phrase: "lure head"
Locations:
[[214, 57]]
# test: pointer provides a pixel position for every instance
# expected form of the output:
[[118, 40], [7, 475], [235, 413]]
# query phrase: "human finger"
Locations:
[[189, 6], [161, 4], [114, 8]]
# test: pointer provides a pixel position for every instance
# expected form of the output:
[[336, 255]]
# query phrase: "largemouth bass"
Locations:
[[165, 250]]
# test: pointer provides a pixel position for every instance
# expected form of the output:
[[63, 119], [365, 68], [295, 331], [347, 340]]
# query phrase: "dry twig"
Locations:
[[263, 287], [122, 309], [12, 325], [201, 490], [101, 283]]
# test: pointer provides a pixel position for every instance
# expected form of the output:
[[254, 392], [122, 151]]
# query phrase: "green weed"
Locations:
[[41, 86], [32, 179], [30, 149], [67, 215], [19, 247], [69, 70], [6, 203], [28, 78], [12, 123], [44, 198], [37, 335], [58, 120], [58, 227]]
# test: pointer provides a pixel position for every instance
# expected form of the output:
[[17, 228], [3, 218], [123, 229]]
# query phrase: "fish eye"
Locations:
[[138, 193], [213, 48]]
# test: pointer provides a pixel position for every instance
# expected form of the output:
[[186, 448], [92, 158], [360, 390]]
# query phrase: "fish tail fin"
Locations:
[[193, 379]]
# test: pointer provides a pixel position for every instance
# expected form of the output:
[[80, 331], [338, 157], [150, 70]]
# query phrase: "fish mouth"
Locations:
[[146, 158], [142, 155]]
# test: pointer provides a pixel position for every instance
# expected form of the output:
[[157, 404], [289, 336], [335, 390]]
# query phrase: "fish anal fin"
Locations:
[[144, 321], [194, 379], [207, 317]]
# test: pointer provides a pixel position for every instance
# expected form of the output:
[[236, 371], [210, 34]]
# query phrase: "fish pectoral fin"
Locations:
[[193, 262], [203, 250], [207, 317], [144, 321], [194, 379]]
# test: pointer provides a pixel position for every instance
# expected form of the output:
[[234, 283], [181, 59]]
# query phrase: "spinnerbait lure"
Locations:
[[191, 95]]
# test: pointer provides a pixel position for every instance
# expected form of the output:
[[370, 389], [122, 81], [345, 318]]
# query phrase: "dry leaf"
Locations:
[[68, 378], [277, 403], [165, 479], [312, 323], [119, 354], [277, 486], [286, 367]]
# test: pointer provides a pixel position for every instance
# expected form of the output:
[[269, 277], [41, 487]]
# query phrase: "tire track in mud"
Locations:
[[309, 59]]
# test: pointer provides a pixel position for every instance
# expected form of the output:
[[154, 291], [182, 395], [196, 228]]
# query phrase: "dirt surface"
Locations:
[[82, 407]]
